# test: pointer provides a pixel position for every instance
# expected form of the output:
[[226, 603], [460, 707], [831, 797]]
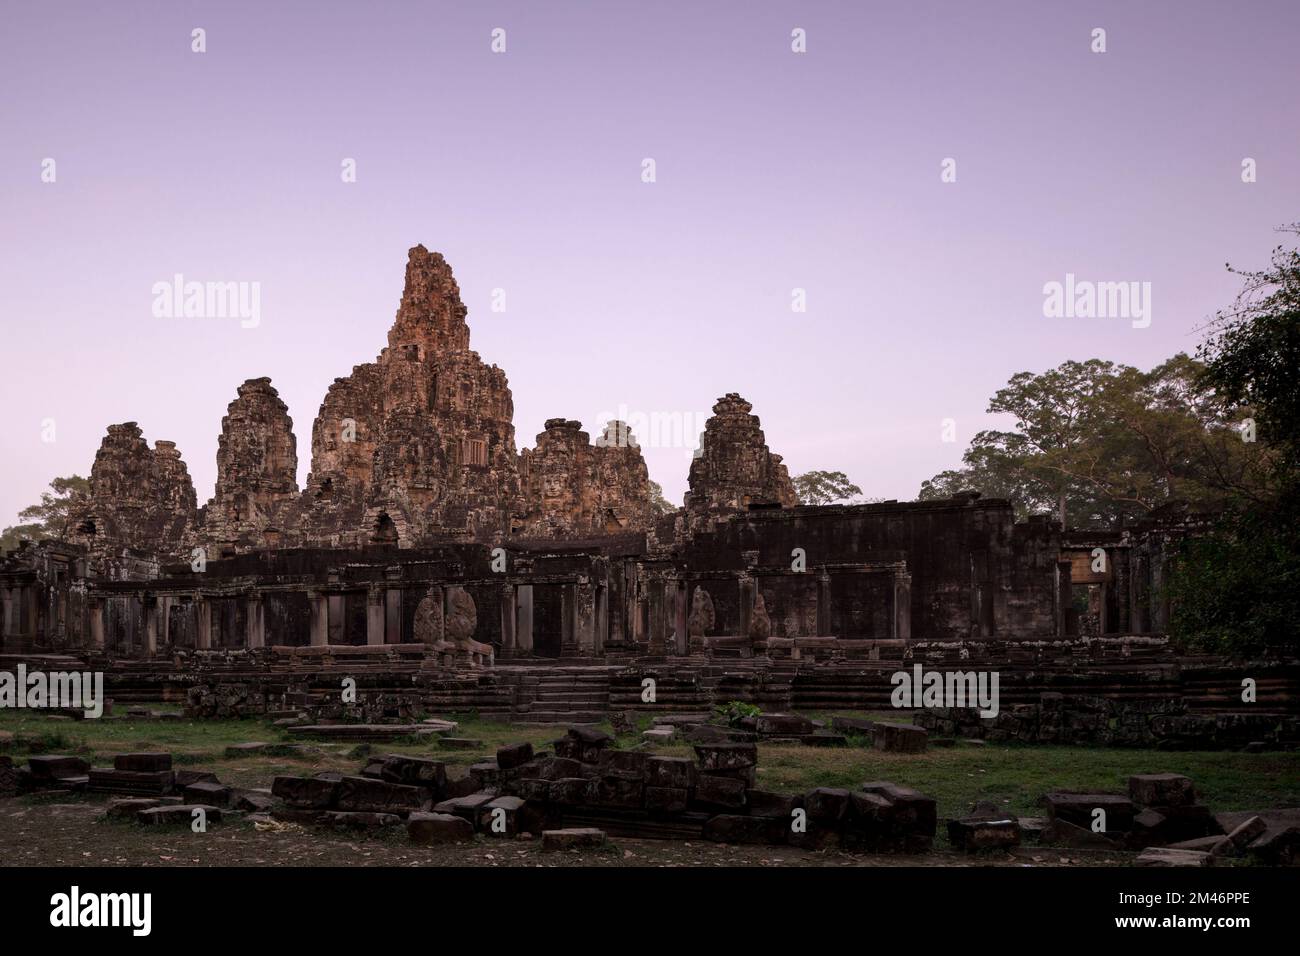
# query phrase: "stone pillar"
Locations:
[[747, 588], [254, 621], [375, 605], [568, 620], [1139, 622], [34, 615], [95, 608], [320, 618], [151, 614], [524, 618], [165, 621], [203, 623], [681, 619], [509, 615], [1063, 599], [1160, 610], [393, 616], [584, 617], [6, 622], [658, 617], [902, 606], [336, 619], [823, 605]]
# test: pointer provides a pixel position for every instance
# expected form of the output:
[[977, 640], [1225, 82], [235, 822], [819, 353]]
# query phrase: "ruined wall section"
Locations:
[[573, 488], [140, 498], [257, 469], [419, 444], [734, 467]]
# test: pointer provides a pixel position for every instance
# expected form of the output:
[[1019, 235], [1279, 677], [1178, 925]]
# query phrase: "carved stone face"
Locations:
[[553, 486]]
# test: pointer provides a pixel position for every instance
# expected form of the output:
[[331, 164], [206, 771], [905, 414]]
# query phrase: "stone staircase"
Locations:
[[569, 696]]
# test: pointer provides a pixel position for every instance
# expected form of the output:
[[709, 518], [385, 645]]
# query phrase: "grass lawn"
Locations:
[[1012, 775]]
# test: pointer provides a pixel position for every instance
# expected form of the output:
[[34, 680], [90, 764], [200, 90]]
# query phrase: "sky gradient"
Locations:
[[774, 170]]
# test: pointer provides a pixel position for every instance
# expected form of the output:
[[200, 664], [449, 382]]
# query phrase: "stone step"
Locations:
[[561, 717]]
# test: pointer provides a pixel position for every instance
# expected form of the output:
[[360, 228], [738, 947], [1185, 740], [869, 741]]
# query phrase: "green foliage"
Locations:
[[825, 487], [657, 500], [50, 518], [734, 711], [1101, 444]]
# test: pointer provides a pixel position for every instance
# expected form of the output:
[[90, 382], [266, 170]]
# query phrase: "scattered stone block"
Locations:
[[1168, 856], [413, 771], [726, 756], [306, 793], [182, 813], [828, 805], [676, 772], [576, 838], [764, 803], [725, 792], [899, 738], [667, 799], [432, 828], [54, 767], [143, 762], [629, 762], [210, 794], [1161, 789], [858, 726], [183, 778], [660, 735], [977, 833], [616, 791], [466, 807], [378, 796], [783, 725], [570, 791], [1078, 809], [128, 807], [1244, 834], [146, 783], [459, 743], [252, 801], [514, 755]]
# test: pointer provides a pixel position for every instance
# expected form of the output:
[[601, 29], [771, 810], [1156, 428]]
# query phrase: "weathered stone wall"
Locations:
[[733, 468], [572, 488], [140, 497]]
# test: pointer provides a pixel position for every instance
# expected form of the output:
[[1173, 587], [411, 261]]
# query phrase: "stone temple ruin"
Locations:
[[425, 546]]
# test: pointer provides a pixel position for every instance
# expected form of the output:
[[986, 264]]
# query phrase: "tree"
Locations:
[[1102, 444], [52, 517], [1237, 588], [657, 500], [825, 487]]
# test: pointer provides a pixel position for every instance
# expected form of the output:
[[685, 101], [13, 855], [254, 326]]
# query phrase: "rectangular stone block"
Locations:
[[306, 793], [514, 755], [143, 762], [724, 792], [1161, 789], [431, 828], [1079, 809], [575, 838], [103, 780], [734, 828], [670, 772], [610, 791], [899, 738], [667, 799], [726, 756], [413, 771]]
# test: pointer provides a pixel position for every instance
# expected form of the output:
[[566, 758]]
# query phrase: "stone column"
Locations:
[[568, 620], [375, 606], [336, 619], [902, 606], [6, 622], [584, 617], [681, 619], [509, 615], [747, 587], [1063, 599], [95, 608], [524, 618], [203, 623], [165, 621], [320, 618], [658, 617], [151, 613], [823, 605], [393, 616], [254, 621]]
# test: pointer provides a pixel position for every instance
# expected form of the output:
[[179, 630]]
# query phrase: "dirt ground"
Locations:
[[60, 830]]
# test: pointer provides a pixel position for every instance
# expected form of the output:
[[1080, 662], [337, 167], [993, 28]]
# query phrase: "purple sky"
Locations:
[[774, 171]]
